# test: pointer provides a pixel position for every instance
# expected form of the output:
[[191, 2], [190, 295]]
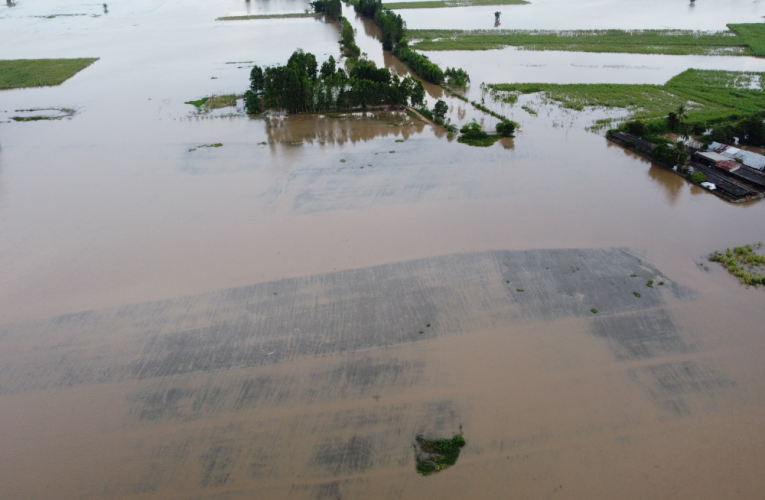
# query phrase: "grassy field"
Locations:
[[753, 35], [269, 16], [207, 104], [676, 42], [709, 95], [440, 4], [21, 73]]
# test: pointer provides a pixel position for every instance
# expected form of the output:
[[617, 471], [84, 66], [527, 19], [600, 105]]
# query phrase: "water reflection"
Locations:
[[669, 181], [341, 128]]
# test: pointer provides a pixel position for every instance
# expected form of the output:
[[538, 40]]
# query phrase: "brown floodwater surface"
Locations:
[[244, 321]]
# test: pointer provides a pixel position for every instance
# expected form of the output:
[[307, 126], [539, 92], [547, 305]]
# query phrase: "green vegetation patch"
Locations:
[[743, 263], [439, 4], [20, 73], [677, 42], [753, 35], [481, 142], [207, 104], [198, 103], [472, 135], [436, 455], [269, 16], [708, 95], [220, 101]]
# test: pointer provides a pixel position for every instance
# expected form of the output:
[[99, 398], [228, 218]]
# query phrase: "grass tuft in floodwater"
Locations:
[[436, 455], [594, 311], [744, 263], [20, 73], [198, 102], [636, 294], [216, 145]]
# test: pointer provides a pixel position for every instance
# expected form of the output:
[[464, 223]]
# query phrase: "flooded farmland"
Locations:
[[280, 316]]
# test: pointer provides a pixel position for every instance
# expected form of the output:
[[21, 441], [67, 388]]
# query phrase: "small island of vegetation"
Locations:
[[743, 263], [435, 455]]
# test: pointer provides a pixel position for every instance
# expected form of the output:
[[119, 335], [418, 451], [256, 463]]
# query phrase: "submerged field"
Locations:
[[438, 4], [21, 73], [709, 95], [269, 16], [745, 39]]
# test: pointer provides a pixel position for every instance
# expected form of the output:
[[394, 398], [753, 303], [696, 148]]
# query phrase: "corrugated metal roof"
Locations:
[[750, 159], [728, 165], [715, 157]]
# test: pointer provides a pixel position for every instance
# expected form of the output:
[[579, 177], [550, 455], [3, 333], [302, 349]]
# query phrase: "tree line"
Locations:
[[332, 8], [393, 38], [301, 86]]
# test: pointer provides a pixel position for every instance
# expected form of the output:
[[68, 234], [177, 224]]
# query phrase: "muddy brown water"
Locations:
[[244, 321]]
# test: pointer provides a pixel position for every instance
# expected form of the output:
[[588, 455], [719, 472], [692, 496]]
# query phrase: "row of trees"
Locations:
[[332, 8], [300, 87], [348, 39], [393, 38], [421, 65], [392, 26]]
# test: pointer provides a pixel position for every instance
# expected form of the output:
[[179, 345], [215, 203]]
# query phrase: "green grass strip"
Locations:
[[753, 35], [675, 42], [709, 95], [269, 16], [439, 4], [20, 73]]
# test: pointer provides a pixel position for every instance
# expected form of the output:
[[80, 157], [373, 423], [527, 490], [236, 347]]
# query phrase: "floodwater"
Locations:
[[244, 321], [702, 15]]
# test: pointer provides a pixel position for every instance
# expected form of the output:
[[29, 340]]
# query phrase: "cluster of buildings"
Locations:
[[732, 173]]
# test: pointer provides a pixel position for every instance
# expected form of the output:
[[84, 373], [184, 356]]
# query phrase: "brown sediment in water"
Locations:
[[245, 321]]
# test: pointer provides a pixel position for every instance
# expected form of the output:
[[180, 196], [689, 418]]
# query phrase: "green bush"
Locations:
[[635, 127], [698, 177], [506, 128]]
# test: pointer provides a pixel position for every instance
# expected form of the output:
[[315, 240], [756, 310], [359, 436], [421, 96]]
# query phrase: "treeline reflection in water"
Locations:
[[352, 128]]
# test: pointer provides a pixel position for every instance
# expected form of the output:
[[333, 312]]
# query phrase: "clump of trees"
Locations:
[[506, 128], [457, 77], [332, 8], [301, 87], [392, 26], [671, 155], [473, 134], [749, 130], [367, 8]]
